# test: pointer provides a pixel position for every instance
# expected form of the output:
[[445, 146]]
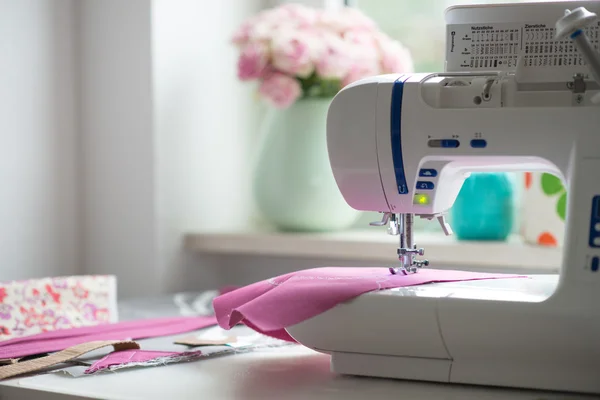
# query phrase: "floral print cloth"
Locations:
[[544, 210], [41, 305]]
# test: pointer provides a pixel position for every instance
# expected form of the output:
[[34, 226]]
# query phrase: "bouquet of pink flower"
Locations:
[[295, 51]]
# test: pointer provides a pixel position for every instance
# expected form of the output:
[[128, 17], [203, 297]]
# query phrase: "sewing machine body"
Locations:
[[404, 144], [497, 332]]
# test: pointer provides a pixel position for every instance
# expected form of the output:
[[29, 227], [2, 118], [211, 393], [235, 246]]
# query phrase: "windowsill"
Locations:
[[377, 246]]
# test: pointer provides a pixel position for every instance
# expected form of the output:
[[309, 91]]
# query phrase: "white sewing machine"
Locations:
[[514, 97]]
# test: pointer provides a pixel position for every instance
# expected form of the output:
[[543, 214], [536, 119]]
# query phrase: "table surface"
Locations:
[[291, 372]]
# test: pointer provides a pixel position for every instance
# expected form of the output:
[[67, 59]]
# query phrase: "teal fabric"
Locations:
[[484, 208]]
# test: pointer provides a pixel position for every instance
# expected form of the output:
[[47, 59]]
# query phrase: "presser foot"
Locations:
[[402, 225], [408, 261], [409, 270], [410, 265]]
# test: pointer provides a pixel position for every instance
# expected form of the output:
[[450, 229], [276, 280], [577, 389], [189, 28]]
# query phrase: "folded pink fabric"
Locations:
[[141, 358], [272, 305], [61, 339], [127, 357]]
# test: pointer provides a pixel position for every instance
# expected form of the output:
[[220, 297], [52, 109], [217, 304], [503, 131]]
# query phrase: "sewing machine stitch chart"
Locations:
[[498, 46]]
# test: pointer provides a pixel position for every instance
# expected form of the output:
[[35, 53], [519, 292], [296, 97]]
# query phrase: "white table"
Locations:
[[287, 373]]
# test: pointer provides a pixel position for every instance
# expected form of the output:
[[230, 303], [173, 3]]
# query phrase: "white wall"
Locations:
[[118, 144], [164, 137], [39, 233], [204, 121], [124, 127]]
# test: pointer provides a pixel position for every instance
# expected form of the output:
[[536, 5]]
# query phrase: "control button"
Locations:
[[597, 241], [595, 264], [450, 143], [478, 143], [426, 185], [433, 172], [597, 227]]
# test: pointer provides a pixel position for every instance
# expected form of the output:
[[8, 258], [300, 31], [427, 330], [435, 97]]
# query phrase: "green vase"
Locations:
[[294, 188]]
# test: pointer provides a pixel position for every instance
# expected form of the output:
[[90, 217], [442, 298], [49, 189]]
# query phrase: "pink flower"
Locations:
[[266, 25], [364, 40], [252, 61], [360, 71], [366, 56], [280, 90], [264, 31], [336, 58], [395, 57], [242, 35], [283, 46], [293, 53]]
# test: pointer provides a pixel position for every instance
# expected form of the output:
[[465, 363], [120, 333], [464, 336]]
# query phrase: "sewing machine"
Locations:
[[518, 94]]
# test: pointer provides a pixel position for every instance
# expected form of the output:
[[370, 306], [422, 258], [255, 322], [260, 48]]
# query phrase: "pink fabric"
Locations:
[[270, 306], [126, 358], [61, 339]]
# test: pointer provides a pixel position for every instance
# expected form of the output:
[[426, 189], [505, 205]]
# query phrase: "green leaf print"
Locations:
[[551, 184], [561, 206]]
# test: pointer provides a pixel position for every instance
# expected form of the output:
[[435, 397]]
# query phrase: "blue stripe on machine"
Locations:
[[396, 133], [594, 238]]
